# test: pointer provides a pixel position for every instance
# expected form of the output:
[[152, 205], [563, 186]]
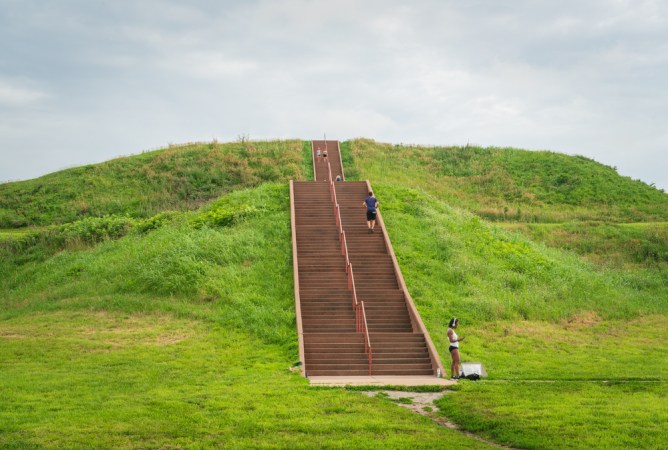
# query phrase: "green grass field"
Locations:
[[612, 245], [563, 415], [138, 328], [116, 380]]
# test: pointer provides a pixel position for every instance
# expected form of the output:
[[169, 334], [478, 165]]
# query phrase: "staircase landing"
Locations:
[[380, 380]]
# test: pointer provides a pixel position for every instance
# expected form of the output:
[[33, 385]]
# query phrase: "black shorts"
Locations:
[[452, 347], [371, 215]]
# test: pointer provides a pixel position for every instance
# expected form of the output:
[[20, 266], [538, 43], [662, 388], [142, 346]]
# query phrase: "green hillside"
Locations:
[[179, 336], [155, 329], [177, 178], [566, 202], [512, 185]]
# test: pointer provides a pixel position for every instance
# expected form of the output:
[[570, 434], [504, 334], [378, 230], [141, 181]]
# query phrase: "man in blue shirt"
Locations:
[[371, 206]]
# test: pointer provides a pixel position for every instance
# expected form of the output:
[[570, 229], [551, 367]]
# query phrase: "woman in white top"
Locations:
[[454, 347]]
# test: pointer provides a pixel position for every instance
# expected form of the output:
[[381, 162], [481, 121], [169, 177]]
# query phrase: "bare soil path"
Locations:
[[423, 403]]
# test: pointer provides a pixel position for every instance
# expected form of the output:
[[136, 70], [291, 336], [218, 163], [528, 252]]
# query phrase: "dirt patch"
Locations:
[[99, 331], [423, 404], [581, 320], [171, 339], [12, 336], [419, 402]]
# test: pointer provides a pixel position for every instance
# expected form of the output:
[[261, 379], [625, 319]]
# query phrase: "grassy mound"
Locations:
[[177, 178], [456, 264], [189, 266], [509, 184], [182, 336], [144, 327]]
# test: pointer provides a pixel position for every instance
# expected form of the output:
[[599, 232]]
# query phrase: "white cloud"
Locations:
[[19, 94], [208, 64]]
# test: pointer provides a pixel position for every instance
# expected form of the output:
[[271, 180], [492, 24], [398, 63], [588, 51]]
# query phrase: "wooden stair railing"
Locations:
[[358, 307]]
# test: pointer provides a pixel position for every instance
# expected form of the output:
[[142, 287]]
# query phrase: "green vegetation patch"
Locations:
[[239, 274], [456, 265], [562, 415], [7, 234], [512, 185], [620, 246], [582, 347], [104, 379], [176, 178]]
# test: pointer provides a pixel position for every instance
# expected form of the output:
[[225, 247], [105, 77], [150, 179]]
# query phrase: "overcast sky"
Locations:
[[84, 81]]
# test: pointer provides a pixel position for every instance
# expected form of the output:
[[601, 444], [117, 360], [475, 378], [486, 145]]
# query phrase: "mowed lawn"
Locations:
[[114, 380], [588, 383], [563, 415]]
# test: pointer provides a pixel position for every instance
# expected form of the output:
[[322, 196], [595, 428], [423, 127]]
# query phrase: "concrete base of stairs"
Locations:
[[380, 380]]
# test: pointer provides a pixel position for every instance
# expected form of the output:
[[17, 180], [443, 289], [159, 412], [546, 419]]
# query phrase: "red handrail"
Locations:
[[338, 218], [345, 246], [367, 339], [351, 285], [360, 313], [335, 201]]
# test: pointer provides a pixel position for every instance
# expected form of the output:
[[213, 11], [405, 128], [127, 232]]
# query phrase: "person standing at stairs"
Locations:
[[371, 204], [454, 347]]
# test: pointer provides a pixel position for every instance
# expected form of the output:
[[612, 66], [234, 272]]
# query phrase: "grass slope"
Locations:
[[454, 262], [511, 184], [176, 178], [613, 245], [177, 329], [530, 312], [178, 336]]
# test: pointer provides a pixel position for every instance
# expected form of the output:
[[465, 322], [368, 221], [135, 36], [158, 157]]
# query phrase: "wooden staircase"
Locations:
[[354, 314]]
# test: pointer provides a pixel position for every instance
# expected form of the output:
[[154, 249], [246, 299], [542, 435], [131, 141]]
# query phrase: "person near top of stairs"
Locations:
[[371, 204]]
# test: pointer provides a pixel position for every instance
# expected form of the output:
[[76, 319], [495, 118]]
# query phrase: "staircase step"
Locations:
[[332, 345]]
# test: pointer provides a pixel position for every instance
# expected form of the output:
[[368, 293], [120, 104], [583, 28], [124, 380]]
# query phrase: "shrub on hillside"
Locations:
[[224, 216], [92, 230], [155, 222], [41, 244], [11, 220]]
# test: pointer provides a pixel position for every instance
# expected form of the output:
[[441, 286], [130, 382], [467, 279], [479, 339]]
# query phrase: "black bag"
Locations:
[[472, 377]]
